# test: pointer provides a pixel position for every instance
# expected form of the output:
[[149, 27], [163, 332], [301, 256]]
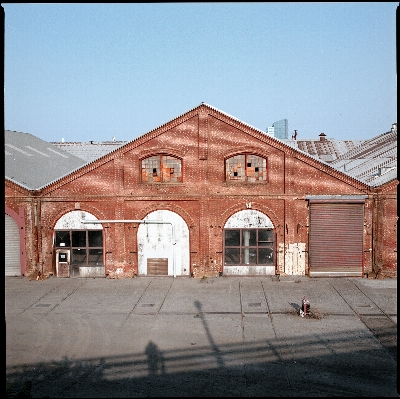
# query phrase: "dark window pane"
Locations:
[[249, 256], [256, 247], [232, 256], [232, 238], [78, 259], [249, 237], [63, 239], [265, 237], [95, 238], [95, 257], [79, 238], [265, 256]]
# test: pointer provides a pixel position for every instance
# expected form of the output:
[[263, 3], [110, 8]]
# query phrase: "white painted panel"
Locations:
[[92, 271], [72, 220], [249, 270], [156, 241], [295, 259], [12, 248], [248, 218]]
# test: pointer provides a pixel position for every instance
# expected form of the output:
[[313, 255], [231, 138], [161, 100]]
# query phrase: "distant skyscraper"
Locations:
[[281, 129], [270, 131]]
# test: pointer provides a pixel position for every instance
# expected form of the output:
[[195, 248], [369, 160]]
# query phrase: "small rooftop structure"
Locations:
[[372, 161]]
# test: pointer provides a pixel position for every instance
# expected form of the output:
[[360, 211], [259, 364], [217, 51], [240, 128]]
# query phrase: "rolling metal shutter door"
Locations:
[[336, 239], [12, 248]]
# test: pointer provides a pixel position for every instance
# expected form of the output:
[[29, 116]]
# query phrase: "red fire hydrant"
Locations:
[[305, 305]]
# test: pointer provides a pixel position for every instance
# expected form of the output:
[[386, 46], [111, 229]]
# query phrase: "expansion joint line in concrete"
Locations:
[[276, 337]]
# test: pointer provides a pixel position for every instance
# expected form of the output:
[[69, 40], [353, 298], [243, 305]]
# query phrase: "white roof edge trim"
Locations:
[[19, 184]]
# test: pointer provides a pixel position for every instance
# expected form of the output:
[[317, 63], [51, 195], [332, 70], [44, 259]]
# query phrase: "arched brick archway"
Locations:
[[79, 246], [249, 246], [163, 247]]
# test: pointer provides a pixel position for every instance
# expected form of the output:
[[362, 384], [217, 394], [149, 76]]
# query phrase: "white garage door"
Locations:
[[12, 247]]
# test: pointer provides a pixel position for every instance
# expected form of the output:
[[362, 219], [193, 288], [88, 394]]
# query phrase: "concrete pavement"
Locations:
[[223, 336]]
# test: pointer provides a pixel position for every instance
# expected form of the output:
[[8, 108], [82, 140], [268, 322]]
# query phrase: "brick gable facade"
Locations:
[[111, 189]]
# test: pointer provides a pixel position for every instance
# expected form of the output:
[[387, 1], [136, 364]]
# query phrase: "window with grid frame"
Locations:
[[246, 167], [86, 245], [161, 169], [248, 247]]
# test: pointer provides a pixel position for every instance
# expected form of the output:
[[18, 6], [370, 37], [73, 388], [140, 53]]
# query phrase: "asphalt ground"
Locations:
[[223, 336]]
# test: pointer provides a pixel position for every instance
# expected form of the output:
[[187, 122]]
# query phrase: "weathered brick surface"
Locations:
[[111, 188]]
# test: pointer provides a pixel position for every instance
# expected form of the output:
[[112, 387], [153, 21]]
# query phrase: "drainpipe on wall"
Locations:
[[375, 232], [35, 232], [144, 222]]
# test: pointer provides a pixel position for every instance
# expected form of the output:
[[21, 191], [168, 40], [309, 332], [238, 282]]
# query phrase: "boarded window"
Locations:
[[246, 167], [157, 266], [161, 169]]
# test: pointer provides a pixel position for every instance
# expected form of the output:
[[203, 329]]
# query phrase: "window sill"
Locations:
[[156, 183], [244, 183]]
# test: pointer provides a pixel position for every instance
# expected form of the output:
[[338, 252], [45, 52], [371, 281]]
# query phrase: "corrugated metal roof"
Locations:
[[369, 161], [372, 160], [33, 163], [382, 177], [327, 150], [89, 151]]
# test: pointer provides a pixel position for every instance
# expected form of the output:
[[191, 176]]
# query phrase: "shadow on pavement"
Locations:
[[329, 365]]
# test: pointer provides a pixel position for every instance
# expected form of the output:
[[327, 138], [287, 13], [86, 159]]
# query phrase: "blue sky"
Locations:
[[95, 71]]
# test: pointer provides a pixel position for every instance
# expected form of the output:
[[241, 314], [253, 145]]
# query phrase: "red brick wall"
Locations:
[[110, 188], [385, 248]]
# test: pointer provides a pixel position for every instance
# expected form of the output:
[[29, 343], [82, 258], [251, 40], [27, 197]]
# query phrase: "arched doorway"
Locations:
[[249, 244], [163, 247], [78, 246]]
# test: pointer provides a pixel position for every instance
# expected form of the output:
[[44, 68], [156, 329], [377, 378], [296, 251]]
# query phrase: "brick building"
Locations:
[[202, 195]]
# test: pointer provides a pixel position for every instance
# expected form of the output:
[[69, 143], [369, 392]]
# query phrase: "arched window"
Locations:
[[161, 169], [246, 167], [249, 247], [249, 241]]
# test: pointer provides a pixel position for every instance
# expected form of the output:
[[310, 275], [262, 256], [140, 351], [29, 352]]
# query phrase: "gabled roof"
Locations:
[[91, 150], [33, 163], [328, 152]]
